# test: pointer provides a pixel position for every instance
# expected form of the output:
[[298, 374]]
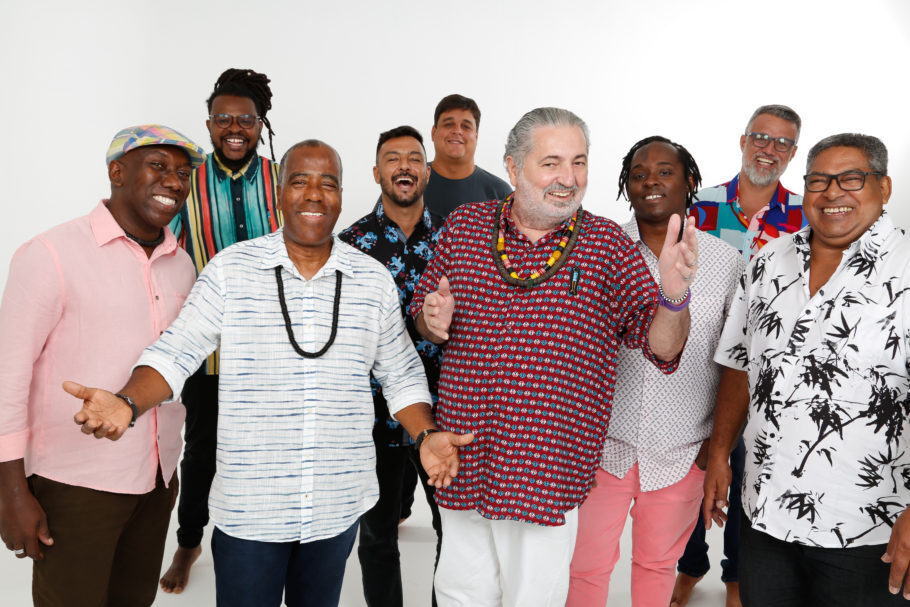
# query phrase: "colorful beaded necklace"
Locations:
[[557, 258]]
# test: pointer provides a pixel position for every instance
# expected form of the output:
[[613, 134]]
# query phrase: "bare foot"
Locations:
[[178, 574], [733, 595], [682, 590]]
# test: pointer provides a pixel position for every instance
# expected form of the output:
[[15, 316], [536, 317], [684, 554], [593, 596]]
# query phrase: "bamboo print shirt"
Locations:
[[826, 435]]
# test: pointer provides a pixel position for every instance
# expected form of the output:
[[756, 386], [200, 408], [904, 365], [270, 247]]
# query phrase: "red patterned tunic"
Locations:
[[531, 371]]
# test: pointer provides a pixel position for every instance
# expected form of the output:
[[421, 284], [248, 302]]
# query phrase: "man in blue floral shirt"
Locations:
[[400, 233]]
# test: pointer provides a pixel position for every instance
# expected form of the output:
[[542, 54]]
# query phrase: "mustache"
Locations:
[[558, 187]]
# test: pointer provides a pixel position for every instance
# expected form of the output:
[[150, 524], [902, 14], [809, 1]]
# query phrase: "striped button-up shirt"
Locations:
[[295, 456]]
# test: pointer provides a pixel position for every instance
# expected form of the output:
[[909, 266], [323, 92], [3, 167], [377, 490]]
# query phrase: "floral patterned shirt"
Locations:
[[380, 238], [827, 427]]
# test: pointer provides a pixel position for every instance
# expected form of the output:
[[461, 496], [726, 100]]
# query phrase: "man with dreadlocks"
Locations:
[[232, 198], [656, 448]]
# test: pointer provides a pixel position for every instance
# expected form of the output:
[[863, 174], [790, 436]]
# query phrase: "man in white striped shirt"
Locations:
[[301, 320]]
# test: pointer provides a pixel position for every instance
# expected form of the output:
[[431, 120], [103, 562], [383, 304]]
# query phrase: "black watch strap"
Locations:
[[132, 405], [422, 437]]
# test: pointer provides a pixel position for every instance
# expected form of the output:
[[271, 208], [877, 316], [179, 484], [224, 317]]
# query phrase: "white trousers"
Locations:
[[486, 563]]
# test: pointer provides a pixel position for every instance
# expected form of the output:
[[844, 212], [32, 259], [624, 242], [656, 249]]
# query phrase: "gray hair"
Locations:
[[307, 143], [520, 139], [872, 148], [780, 111]]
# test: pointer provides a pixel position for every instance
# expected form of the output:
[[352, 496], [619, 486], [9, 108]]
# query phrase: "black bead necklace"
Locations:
[[287, 316], [151, 244]]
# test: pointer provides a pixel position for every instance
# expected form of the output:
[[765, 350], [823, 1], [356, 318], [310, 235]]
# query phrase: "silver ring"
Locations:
[[688, 278], [693, 264], [19, 551]]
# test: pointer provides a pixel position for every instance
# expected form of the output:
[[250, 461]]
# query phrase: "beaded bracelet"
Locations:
[[675, 304]]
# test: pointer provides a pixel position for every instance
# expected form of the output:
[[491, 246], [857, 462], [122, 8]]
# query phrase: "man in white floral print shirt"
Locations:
[[815, 350]]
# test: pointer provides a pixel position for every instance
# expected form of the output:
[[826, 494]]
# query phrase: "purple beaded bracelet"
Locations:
[[674, 305]]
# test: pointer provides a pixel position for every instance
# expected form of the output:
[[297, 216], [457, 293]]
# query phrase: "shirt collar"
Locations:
[[248, 170], [868, 246], [779, 196], [383, 220], [106, 229], [276, 254]]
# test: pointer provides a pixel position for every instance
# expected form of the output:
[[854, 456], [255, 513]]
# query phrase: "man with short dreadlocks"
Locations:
[[232, 198]]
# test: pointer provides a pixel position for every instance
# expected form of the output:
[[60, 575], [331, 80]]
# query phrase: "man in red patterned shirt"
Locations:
[[532, 296]]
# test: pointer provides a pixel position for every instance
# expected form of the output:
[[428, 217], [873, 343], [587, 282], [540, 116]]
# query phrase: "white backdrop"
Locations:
[[74, 73]]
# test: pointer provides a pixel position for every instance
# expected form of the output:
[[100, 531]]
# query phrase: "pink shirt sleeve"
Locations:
[[32, 305]]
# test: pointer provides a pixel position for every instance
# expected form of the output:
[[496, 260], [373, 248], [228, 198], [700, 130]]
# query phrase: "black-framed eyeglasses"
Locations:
[[224, 121], [761, 140], [849, 181]]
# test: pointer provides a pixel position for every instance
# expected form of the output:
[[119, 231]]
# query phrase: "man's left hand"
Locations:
[[439, 456], [898, 554], [678, 260]]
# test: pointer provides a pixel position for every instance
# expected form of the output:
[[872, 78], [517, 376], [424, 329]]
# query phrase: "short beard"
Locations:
[[389, 192], [539, 215], [235, 165], [758, 178]]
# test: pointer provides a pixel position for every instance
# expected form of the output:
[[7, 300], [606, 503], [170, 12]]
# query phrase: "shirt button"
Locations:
[[241, 225], [237, 199], [156, 298]]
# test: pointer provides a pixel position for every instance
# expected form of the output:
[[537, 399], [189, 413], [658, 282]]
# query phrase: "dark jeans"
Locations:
[[408, 485], [694, 560], [256, 574], [785, 574], [378, 552], [200, 396]]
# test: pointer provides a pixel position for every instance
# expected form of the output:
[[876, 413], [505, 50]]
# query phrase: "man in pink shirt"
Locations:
[[83, 300]]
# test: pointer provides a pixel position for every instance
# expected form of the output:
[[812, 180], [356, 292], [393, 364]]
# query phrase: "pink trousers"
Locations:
[[662, 521]]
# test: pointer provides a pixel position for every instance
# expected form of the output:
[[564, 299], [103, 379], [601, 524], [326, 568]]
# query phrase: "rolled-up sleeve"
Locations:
[[32, 307]]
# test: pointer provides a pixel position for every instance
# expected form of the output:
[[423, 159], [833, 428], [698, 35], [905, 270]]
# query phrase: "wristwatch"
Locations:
[[132, 405], [422, 436]]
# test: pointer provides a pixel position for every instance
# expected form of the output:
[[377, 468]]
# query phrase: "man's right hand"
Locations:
[[437, 311], [717, 484], [103, 413], [23, 524]]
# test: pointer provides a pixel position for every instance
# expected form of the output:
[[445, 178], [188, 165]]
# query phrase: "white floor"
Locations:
[[417, 542]]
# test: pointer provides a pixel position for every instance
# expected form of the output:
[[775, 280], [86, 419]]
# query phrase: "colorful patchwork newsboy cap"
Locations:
[[153, 134]]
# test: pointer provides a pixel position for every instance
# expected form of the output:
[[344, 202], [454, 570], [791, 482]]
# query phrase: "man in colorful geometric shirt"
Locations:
[[815, 365], [400, 233], [534, 296], [232, 199], [747, 212]]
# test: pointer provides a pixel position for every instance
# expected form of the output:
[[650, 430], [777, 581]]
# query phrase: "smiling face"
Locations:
[[764, 166], [658, 184], [551, 184], [455, 135], [837, 217], [310, 195], [234, 145], [149, 186], [401, 171]]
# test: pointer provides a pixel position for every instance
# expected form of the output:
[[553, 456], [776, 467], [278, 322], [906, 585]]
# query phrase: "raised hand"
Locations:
[[678, 260], [103, 414], [437, 310]]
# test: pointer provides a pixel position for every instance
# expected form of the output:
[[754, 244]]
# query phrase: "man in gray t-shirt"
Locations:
[[455, 179]]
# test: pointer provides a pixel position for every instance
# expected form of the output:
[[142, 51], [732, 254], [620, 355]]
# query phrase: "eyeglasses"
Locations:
[[761, 140], [849, 181], [224, 121]]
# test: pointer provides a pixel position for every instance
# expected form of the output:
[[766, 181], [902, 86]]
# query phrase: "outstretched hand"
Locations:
[[103, 414], [437, 310], [439, 456], [678, 259]]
